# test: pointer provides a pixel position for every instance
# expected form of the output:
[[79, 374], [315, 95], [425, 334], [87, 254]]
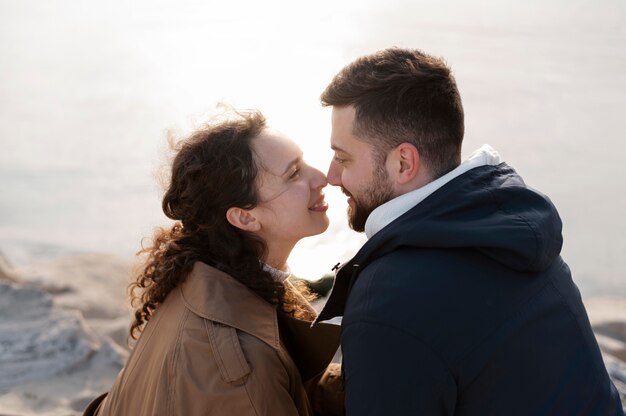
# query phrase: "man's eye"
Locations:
[[339, 160]]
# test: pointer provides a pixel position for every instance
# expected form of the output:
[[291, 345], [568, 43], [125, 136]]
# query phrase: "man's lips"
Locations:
[[348, 194]]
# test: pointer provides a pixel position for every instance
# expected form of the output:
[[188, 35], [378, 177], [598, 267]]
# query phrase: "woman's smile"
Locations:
[[320, 205]]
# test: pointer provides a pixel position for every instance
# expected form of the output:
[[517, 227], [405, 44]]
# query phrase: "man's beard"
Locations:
[[375, 194]]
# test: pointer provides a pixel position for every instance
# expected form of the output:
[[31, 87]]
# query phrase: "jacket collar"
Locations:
[[389, 211], [379, 231], [217, 296]]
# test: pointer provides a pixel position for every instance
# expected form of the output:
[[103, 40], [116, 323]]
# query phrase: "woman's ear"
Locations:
[[242, 219]]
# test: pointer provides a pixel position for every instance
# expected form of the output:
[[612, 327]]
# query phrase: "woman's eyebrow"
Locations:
[[292, 163]]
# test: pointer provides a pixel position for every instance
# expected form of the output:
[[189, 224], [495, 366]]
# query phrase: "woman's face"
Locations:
[[291, 202]]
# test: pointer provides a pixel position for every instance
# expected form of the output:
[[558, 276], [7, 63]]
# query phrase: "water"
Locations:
[[88, 91]]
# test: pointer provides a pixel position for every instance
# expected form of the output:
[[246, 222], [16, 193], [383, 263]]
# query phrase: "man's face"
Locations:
[[355, 169]]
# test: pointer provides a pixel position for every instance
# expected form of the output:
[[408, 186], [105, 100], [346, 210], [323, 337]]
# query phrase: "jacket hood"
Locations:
[[490, 209]]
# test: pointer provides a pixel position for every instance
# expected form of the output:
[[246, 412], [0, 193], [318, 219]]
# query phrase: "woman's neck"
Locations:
[[277, 256], [278, 264]]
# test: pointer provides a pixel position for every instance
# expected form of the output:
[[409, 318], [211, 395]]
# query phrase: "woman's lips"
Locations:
[[320, 206]]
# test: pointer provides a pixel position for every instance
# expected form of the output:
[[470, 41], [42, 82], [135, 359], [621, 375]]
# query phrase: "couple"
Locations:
[[458, 304]]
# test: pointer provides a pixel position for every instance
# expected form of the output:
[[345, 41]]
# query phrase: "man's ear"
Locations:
[[242, 219], [405, 163]]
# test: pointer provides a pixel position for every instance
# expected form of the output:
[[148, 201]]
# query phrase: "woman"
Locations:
[[221, 330]]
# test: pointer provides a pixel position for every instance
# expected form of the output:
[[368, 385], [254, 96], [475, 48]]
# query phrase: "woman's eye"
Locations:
[[339, 160], [295, 174]]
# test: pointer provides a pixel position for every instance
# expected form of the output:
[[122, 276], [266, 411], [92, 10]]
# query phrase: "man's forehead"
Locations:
[[344, 114], [349, 144]]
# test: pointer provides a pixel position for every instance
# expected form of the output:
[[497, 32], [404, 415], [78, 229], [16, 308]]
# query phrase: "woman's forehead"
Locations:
[[275, 151]]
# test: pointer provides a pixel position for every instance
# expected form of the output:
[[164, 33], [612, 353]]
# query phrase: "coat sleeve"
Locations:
[[389, 372]]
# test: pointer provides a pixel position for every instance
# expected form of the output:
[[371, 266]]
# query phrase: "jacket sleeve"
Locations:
[[326, 392], [390, 372]]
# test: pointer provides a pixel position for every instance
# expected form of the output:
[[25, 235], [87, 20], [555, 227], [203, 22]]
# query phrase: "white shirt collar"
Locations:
[[278, 275], [389, 211]]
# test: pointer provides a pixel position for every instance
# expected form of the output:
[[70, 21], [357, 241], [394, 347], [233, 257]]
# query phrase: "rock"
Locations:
[[39, 339], [22, 303], [608, 316], [5, 267], [110, 355], [617, 372], [611, 329], [53, 358], [93, 283], [612, 346]]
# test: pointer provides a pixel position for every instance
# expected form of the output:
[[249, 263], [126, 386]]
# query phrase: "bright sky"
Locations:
[[88, 90]]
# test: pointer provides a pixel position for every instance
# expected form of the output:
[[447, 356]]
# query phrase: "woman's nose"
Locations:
[[319, 179]]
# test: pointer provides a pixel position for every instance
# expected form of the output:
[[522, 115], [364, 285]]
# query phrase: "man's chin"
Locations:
[[356, 220]]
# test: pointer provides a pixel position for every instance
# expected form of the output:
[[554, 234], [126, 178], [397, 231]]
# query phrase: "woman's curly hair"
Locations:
[[214, 169]]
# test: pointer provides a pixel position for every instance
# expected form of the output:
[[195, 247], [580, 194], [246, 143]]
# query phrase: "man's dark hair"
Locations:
[[403, 96]]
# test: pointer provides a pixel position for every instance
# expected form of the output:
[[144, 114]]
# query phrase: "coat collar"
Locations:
[[215, 295]]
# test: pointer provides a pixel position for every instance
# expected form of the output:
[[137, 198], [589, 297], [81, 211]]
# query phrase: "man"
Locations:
[[459, 303]]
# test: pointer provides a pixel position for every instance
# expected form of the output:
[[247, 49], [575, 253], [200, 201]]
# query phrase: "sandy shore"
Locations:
[[63, 327]]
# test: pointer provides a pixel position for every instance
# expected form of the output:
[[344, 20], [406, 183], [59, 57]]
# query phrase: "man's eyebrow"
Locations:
[[293, 162], [337, 148]]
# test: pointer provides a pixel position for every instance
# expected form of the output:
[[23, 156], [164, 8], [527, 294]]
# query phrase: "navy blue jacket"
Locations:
[[463, 306]]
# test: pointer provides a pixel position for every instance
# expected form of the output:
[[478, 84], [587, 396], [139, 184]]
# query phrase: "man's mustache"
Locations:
[[345, 192]]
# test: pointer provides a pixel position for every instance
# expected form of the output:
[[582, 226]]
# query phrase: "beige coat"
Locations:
[[215, 348]]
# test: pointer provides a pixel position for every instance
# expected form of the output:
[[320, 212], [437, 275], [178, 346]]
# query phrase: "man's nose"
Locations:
[[334, 174]]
